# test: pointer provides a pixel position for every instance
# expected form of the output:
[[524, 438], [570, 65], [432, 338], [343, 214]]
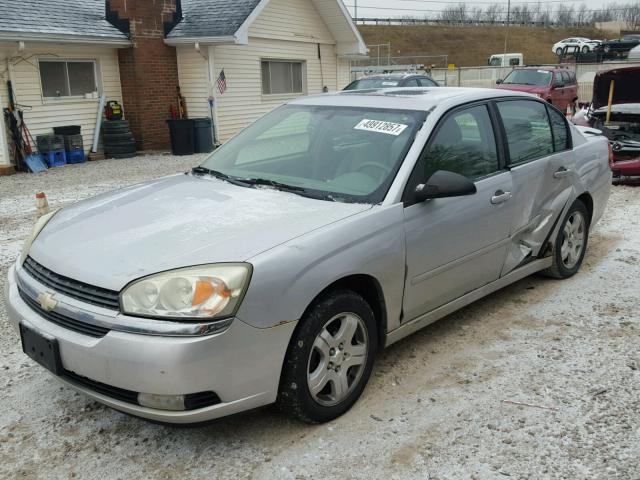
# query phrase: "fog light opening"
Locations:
[[162, 402]]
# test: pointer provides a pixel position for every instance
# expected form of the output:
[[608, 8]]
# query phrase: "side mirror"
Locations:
[[443, 184], [499, 81]]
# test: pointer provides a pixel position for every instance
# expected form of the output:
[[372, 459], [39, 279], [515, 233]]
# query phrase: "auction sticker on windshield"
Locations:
[[380, 126]]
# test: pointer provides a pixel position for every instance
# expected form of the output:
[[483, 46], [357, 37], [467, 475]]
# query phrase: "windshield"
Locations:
[[348, 154], [495, 62], [366, 83], [539, 78]]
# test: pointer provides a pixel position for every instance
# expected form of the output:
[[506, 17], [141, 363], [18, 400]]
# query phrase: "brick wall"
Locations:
[[148, 71]]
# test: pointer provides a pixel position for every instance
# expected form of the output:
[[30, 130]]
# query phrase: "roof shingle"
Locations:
[[212, 18], [80, 18]]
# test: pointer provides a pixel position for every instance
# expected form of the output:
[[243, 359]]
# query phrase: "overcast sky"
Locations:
[[422, 8]]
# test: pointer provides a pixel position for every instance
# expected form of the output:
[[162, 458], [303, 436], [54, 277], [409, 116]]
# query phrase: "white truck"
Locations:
[[506, 60]]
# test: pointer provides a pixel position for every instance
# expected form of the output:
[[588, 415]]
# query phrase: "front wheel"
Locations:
[[330, 358], [585, 49], [558, 51], [571, 243]]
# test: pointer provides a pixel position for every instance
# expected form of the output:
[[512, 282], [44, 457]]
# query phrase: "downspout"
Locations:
[[211, 99]]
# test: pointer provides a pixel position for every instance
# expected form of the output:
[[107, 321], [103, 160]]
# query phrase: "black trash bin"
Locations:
[[204, 135], [182, 133]]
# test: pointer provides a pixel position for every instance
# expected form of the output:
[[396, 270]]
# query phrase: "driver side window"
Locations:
[[464, 143]]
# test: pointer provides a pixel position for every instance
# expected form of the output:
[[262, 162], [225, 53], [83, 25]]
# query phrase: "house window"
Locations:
[[282, 77], [67, 78]]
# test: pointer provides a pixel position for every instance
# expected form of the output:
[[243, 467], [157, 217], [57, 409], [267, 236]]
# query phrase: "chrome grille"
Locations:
[[63, 320], [100, 297]]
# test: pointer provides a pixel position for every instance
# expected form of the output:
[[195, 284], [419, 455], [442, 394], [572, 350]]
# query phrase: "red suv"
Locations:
[[557, 86]]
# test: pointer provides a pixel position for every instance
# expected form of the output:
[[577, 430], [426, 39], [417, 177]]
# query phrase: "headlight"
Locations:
[[204, 292], [37, 228]]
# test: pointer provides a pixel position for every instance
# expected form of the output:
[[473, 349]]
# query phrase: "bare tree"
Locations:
[[493, 13], [632, 15], [565, 15], [455, 13]]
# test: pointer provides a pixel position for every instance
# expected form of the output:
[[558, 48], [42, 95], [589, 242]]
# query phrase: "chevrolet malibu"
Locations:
[[327, 230]]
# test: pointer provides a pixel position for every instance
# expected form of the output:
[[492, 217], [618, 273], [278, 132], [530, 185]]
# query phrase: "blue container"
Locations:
[[76, 156], [55, 158]]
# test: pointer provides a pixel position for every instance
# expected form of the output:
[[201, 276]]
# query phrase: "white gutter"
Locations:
[[200, 40], [61, 38]]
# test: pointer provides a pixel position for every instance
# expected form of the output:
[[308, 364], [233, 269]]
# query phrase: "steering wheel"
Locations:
[[376, 165]]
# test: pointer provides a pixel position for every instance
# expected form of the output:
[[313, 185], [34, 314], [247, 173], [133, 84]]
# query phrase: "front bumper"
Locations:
[[241, 365]]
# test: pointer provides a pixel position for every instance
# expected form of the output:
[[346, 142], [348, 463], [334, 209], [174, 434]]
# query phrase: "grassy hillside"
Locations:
[[470, 46]]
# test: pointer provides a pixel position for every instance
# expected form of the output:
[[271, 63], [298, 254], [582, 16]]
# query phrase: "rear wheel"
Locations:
[[571, 243], [329, 359]]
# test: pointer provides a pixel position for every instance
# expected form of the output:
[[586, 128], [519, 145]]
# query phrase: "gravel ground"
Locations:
[[435, 406]]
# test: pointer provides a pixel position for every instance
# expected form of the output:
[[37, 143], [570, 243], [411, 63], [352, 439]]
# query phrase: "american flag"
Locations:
[[222, 82]]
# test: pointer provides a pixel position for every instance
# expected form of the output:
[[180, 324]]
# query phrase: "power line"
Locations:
[[621, 9], [457, 2]]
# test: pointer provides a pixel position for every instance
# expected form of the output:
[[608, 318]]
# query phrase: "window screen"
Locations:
[[67, 79], [280, 77], [464, 144], [527, 127]]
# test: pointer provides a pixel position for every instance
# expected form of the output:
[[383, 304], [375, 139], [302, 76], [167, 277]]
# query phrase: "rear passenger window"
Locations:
[[411, 83], [426, 82], [560, 130], [464, 144], [527, 127]]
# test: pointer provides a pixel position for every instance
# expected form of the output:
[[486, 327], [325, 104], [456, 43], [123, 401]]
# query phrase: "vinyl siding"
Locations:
[[43, 114], [291, 20], [344, 73], [194, 80], [244, 102]]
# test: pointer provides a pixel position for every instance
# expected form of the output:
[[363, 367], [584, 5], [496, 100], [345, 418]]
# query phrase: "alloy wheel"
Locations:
[[573, 240], [338, 358]]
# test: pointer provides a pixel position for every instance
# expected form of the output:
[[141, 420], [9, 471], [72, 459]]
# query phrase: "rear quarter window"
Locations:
[[560, 130]]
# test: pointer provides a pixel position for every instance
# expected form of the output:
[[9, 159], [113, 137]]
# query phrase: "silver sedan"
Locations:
[[330, 228]]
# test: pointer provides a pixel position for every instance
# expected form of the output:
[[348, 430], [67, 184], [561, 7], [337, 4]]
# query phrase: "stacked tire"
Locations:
[[118, 140]]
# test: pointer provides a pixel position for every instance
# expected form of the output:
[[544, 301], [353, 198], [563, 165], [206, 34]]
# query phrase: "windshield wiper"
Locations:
[[288, 188], [200, 170]]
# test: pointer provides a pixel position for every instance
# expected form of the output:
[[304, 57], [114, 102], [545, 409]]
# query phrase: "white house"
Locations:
[[270, 51], [57, 56]]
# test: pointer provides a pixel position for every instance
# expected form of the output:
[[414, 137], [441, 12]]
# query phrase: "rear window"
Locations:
[[528, 77], [560, 129], [367, 83]]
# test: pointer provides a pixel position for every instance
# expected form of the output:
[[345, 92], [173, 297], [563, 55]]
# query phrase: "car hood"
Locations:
[[535, 89], [174, 222], [625, 87]]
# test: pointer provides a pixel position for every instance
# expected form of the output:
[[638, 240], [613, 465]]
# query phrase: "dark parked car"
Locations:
[[619, 47], [392, 81]]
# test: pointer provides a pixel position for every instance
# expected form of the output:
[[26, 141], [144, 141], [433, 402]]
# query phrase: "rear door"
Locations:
[[539, 155], [456, 245], [557, 91]]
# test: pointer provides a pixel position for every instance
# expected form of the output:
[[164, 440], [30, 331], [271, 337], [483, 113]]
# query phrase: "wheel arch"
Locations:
[[587, 200], [369, 288]]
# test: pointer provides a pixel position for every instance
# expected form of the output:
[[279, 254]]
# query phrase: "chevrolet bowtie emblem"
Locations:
[[47, 302]]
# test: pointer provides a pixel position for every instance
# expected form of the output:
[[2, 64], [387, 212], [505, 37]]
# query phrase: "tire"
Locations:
[[116, 123], [309, 353], [121, 155], [585, 49], [558, 51], [122, 148], [114, 138], [570, 247]]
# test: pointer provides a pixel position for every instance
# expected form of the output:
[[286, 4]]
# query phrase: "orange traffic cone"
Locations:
[[42, 205]]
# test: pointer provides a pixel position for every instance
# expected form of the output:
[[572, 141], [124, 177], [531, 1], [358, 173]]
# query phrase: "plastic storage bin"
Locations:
[[55, 158], [73, 143], [76, 156], [50, 143], [67, 130]]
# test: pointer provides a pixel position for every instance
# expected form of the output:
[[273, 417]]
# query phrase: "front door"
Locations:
[[456, 245]]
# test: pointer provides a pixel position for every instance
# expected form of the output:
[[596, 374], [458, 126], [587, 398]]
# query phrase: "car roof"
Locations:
[[405, 98], [393, 76], [542, 67]]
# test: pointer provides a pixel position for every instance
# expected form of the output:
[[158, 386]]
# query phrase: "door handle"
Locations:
[[561, 173], [501, 197]]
